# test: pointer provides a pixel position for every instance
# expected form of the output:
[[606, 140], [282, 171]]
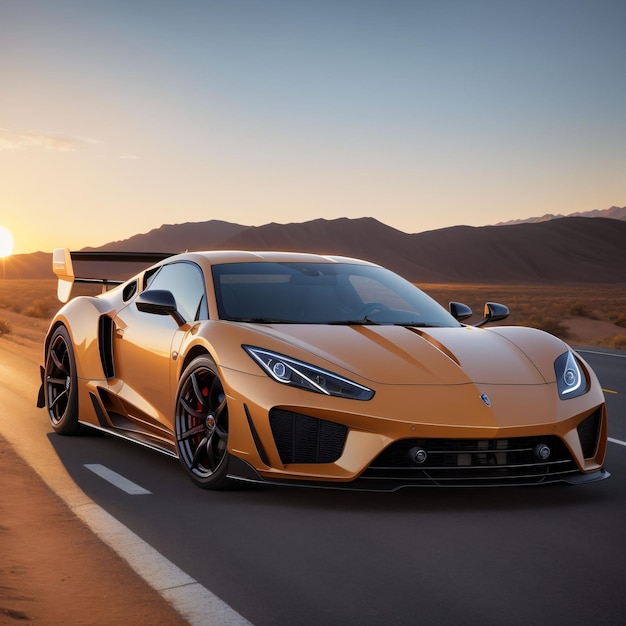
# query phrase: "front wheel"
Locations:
[[60, 390], [201, 424]]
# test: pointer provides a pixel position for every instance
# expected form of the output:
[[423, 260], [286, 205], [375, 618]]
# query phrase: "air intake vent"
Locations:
[[304, 439], [588, 432], [105, 343]]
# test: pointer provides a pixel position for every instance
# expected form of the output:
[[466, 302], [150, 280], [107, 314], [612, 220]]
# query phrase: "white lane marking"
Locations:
[[198, 605], [619, 356], [116, 479], [617, 441]]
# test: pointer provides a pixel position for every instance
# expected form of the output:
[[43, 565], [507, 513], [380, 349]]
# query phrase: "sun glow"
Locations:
[[6, 242]]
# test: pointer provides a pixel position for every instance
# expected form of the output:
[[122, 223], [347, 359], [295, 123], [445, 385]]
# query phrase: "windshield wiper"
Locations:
[[260, 320], [361, 322], [417, 324], [271, 320]]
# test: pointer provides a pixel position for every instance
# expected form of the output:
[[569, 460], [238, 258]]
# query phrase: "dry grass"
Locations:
[[26, 307], [34, 297], [581, 314], [22, 295], [563, 310]]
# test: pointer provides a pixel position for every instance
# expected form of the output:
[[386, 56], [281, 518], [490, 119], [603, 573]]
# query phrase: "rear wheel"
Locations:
[[60, 389], [201, 424]]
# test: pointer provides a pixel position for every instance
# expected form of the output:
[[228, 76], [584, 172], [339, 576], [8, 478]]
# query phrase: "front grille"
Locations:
[[589, 432], [472, 462], [304, 439]]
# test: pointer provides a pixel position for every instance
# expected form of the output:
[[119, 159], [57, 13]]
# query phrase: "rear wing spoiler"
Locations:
[[63, 266]]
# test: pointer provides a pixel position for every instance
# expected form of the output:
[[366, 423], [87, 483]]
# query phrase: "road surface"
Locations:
[[275, 555]]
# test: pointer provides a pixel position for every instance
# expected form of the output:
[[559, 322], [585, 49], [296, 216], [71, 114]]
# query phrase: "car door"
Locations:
[[145, 344]]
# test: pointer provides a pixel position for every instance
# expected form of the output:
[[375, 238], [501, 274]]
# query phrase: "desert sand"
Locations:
[[54, 570]]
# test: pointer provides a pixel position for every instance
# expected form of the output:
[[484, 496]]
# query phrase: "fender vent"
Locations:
[[304, 439], [105, 344]]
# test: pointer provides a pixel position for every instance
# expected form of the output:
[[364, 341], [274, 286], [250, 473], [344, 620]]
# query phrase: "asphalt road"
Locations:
[[531, 555]]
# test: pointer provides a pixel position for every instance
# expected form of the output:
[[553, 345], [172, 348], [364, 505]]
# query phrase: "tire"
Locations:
[[201, 425], [60, 386]]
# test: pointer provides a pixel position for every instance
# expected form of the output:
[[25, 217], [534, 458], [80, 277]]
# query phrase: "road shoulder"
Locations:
[[54, 570]]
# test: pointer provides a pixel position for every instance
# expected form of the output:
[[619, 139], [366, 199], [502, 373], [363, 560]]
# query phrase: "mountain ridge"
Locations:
[[614, 212], [565, 250]]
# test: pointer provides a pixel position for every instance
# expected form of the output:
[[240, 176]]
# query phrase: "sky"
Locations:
[[118, 116]]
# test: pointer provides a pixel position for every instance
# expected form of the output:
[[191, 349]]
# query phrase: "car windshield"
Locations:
[[322, 293]]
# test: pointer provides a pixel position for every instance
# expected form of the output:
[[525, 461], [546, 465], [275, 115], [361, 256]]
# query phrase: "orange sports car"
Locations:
[[315, 370]]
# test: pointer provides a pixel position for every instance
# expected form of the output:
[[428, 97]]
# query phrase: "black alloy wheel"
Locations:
[[60, 389], [201, 424]]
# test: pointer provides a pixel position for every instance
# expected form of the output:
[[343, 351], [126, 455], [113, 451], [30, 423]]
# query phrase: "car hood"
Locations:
[[433, 356]]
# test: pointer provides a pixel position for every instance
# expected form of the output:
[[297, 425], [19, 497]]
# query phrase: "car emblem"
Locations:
[[485, 398]]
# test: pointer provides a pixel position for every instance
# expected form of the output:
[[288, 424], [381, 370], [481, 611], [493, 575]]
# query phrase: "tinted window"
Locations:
[[319, 293], [186, 282]]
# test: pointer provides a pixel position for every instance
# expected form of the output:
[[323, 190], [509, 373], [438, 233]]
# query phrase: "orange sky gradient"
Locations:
[[116, 118]]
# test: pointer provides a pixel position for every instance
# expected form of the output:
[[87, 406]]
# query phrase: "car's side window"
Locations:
[[186, 282], [148, 276]]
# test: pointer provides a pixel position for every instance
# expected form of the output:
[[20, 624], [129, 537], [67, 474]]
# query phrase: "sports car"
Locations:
[[315, 370]]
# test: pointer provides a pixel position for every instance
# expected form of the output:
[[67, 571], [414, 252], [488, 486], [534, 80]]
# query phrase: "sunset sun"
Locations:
[[6, 242]]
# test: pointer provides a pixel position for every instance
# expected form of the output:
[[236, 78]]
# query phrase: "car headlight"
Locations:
[[295, 373], [570, 378]]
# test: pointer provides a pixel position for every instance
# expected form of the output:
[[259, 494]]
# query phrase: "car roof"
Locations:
[[215, 257]]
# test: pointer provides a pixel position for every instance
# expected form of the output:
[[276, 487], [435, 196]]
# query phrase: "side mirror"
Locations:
[[159, 302], [459, 311], [494, 312]]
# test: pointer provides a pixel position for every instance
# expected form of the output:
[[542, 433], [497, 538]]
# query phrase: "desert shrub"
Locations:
[[581, 309], [9, 305], [618, 318], [555, 327], [33, 311], [611, 341], [551, 325], [40, 307], [619, 341], [5, 327]]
